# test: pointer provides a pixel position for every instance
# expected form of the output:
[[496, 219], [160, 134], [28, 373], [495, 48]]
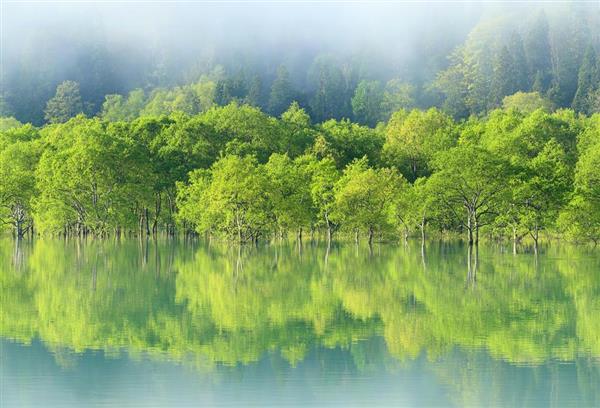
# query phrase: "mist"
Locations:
[[115, 47]]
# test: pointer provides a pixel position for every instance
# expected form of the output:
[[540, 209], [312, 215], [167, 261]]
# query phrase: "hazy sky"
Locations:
[[203, 27], [192, 26]]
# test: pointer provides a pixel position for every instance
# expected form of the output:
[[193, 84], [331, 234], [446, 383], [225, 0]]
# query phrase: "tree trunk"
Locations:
[[329, 232], [356, 236], [239, 227], [19, 227], [157, 210], [147, 221], [470, 230], [370, 236], [514, 240]]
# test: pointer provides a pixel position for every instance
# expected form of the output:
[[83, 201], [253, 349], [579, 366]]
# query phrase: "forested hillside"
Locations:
[[464, 64]]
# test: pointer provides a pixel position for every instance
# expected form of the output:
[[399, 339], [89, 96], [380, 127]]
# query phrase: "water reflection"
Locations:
[[212, 305]]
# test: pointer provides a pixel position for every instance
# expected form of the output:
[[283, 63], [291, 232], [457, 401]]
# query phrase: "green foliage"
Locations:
[[345, 141], [526, 102], [519, 62], [587, 82], [580, 220], [397, 95], [116, 108], [282, 92], [87, 177], [246, 130], [324, 176], [19, 153], [7, 123], [537, 47], [367, 102], [289, 192], [234, 202], [505, 71], [331, 90], [364, 197], [413, 138], [297, 133], [546, 49], [513, 173], [470, 180], [231, 89], [587, 176], [65, 104]]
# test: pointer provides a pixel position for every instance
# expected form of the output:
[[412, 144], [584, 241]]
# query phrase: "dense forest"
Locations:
[[499, 135], [234, 171]]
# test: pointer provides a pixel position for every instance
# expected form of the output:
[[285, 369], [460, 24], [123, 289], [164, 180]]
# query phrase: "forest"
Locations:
[[500, 139]]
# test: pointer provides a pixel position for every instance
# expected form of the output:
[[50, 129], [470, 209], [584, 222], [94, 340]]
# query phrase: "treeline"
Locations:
[[508, 51], [238, 173]]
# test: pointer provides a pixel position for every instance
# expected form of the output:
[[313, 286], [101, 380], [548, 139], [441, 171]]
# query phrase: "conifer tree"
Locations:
[[539, 55], [587, 83]]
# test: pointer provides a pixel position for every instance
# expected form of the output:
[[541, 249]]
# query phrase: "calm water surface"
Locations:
[[146, 323]]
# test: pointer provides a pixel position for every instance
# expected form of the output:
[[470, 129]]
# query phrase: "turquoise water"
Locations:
[[176, 323]]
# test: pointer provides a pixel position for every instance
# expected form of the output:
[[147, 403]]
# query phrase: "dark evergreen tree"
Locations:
[[330, 98], [367, 102], [521, 69], [588, 81], [255, 92], [572, 36], [539, 54], [503, 82], [230, 89], [282, 92]]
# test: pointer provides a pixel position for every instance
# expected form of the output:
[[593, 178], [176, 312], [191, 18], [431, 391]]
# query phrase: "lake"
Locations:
[[187, 323]]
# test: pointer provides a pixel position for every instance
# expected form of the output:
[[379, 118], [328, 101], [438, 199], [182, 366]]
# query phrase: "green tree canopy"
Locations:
[[65, 104]]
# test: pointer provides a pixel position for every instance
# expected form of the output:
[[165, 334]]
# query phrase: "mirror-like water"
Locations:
[[172, 323]]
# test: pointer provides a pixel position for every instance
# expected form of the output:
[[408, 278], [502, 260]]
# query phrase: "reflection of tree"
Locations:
[[231, 305]]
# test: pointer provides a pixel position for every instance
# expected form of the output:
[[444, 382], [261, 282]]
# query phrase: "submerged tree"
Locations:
[[232, 201], [364, 197], [19, 153], [470, 183]]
